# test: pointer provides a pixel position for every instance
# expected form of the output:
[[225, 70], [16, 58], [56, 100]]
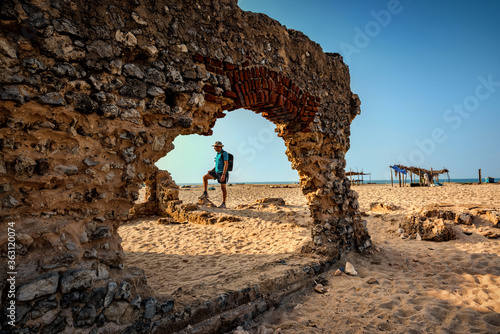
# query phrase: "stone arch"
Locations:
[[93, 93]]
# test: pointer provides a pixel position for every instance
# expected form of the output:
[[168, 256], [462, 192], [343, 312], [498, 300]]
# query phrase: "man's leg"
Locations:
[[224, 192], [206, 177]]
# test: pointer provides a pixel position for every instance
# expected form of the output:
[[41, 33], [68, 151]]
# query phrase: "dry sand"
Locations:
[[421, 286]]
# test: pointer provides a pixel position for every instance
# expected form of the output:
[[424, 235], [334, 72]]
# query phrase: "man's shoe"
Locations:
[[205, 195], [222, 206]]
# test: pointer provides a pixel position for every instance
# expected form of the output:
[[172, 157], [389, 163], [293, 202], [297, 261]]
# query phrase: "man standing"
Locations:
[[219, 173]]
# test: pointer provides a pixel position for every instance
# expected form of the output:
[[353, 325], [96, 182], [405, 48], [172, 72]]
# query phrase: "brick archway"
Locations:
[[94, 93]]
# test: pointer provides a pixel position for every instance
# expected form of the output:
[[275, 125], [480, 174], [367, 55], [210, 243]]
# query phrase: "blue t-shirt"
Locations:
[[219, 161]]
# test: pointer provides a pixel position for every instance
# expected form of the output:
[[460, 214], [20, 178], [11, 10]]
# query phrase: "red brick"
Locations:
[[198, 58], [230, 94], [237, 88], [273, 98], [219, 71], [229, 67], [206, 60], [246, 74], [245, 63], [271, 85], [213, 98], [310, 103], [210, 68], [266, 96], [254, 98], [209, 89], [287, 105], [318, 99], [220, 115], [247, 87], [216, 63], [247, 101], [281, 100]]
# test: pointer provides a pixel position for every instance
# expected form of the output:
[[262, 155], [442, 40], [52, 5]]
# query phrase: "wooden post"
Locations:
[[480, 176], [392, 185], [399, 175]]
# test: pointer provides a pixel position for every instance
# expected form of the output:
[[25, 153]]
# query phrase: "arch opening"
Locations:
[[262, 224]]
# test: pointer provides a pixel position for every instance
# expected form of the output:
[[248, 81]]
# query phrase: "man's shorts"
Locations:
[[217, 176]]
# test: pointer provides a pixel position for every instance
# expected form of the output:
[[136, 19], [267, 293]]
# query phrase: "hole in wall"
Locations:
[[245, 237]]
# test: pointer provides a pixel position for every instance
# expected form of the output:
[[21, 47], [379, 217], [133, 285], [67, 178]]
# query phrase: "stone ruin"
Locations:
[[93, 93], [437, 222]]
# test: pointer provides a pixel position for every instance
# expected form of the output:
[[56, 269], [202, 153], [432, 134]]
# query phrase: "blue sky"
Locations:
[[428, 76]]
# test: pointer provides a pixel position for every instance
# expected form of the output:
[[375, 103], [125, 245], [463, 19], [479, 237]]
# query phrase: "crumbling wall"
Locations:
[[93, 93]]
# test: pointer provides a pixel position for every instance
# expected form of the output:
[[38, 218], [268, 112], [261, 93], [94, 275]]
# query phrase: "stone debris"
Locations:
[[349, 269], [270, 200], [372, 281], [319, 288], [338, 272], [383, 207]]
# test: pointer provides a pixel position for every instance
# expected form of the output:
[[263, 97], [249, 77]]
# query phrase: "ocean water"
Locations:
[[441, 180]]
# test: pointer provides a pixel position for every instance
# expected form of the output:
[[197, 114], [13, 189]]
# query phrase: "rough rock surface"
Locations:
[[436, 222], [93, 93]]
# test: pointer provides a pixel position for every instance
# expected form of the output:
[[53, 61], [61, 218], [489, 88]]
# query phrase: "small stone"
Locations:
[[155, 91], [90, 163], [124, 291], [138, 19], [44, 285], [101, 48], [114, 311], [128, 154], [86, 316], [76, 279], [167, 306], [102, 232], [349, 269], [13, 93], [372, 281], [418, 237], [54, 99], [41, 307], [155, 77], [149, 308], [319, 288], [132, 70], [337, 272], [10, 202], [400, 230], [112, 286], [66, 170], [136, 302]]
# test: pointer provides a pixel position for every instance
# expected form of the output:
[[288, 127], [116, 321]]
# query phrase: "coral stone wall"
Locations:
[[93, 93]]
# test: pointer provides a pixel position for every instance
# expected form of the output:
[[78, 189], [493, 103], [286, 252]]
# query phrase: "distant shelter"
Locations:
[[425, 177], [357, 178]]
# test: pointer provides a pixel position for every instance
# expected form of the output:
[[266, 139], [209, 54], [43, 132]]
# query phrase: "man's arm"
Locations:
[[223, 177]]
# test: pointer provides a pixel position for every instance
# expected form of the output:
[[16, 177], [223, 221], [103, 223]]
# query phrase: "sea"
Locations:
[[441, 180]]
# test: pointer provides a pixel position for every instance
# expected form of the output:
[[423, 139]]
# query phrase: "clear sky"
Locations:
[[428, 76]]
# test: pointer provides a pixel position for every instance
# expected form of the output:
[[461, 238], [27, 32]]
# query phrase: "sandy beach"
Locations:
[[402, 286]]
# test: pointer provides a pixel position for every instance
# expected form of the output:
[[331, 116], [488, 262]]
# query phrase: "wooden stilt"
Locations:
[[392, 183]]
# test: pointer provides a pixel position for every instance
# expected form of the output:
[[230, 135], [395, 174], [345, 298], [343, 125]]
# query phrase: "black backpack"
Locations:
[[230, 160]]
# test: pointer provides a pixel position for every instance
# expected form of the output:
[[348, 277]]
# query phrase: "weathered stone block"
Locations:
[[44, 285], [76, 279]]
